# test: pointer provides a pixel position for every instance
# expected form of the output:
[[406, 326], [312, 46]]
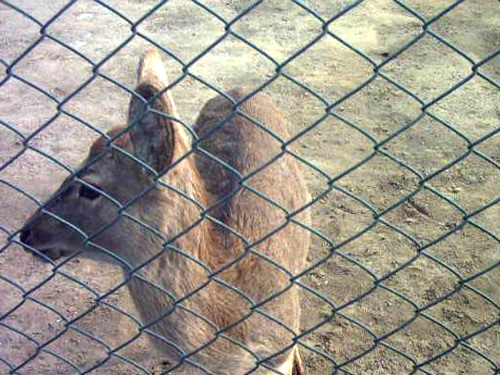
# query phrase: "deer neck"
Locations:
[[181, 272]]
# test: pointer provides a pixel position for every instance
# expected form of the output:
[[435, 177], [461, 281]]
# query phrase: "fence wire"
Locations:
[[338, 313]]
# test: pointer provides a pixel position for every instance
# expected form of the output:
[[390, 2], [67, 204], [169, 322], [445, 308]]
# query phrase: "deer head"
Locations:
[[114, 199]]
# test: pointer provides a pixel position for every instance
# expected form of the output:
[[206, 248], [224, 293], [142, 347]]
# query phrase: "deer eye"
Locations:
[[88, 192]]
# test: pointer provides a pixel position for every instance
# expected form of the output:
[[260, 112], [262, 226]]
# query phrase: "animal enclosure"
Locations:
[[394, 108]]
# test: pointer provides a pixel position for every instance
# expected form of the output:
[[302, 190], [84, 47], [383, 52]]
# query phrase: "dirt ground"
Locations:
[[36, 306]]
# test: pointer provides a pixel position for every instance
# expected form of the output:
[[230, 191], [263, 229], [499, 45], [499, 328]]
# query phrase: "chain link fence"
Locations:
[[394, 106]]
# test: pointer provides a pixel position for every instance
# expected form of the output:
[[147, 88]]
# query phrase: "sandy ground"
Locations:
[[35, 306]]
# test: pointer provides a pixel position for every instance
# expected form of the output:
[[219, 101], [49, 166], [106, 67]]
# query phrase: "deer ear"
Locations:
[[153, 132]]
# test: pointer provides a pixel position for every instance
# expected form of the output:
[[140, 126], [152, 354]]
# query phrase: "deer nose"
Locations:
[[26, 235]]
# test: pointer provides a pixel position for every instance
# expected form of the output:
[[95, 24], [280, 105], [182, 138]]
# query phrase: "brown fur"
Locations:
[[253, 277]]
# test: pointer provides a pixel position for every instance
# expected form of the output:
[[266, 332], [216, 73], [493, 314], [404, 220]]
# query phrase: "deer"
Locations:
[[210, 229]]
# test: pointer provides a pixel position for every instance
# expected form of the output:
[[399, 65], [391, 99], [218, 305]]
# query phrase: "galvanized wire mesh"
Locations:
[[344, 314]]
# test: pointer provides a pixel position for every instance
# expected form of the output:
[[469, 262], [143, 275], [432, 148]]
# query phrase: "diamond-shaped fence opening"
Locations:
[[393, 114]]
